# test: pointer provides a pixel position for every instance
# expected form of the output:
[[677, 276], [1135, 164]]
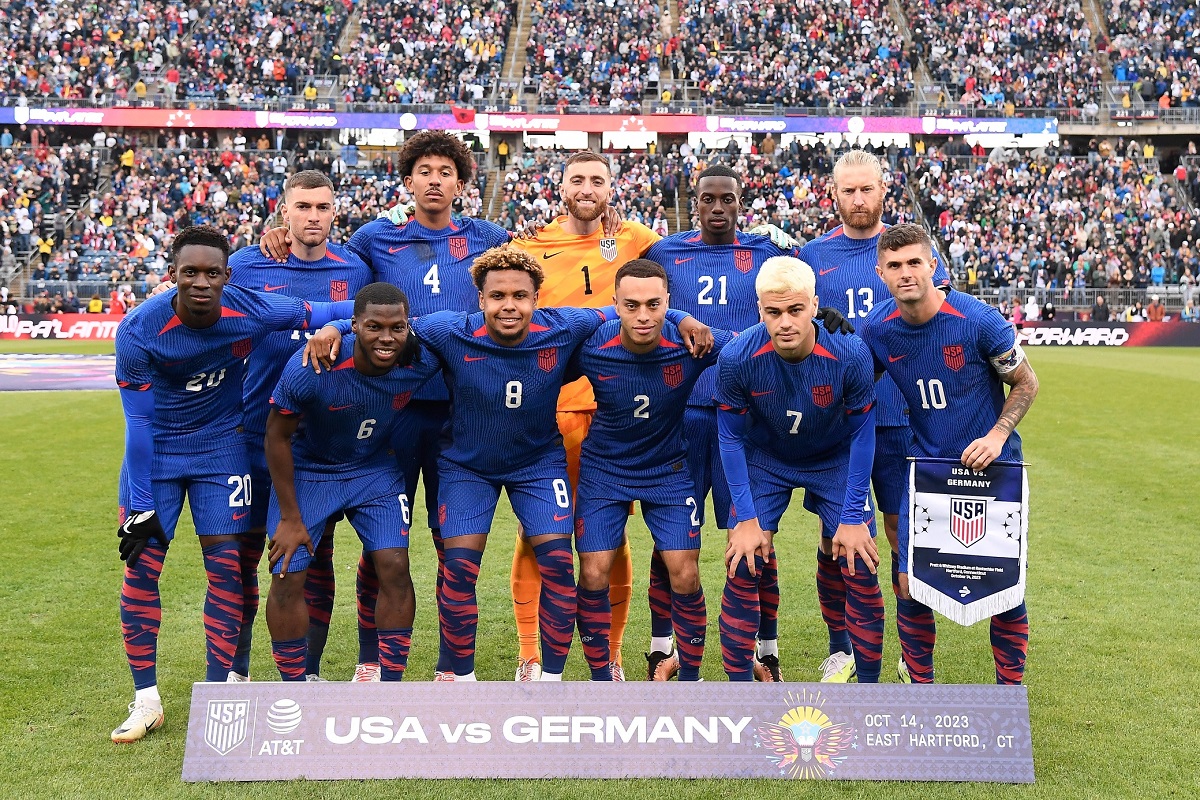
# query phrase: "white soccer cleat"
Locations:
[[902, 671], [315, 679], [528, 670], [838, 668], [143, 718], [444, 677], [236, 677], [366, 673], [618, 672]]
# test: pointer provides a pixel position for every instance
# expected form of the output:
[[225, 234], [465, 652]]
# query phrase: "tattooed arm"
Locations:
[[984, 450]]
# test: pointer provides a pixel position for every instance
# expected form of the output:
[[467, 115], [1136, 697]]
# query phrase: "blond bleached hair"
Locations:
[[785, 275], [858, 158]]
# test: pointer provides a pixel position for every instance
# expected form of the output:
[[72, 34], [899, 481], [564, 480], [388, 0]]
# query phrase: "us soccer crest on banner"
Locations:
[[968, 543]]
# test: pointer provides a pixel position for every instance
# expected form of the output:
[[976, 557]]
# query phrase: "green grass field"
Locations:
[[1113, 674]]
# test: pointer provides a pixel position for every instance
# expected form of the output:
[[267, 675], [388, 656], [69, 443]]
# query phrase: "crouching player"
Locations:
[[327, 448], [642, 374], [794, 410]]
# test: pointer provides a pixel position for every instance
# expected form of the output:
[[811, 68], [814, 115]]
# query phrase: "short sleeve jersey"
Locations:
[[337, 276], [197, 374], [715, 284], [637, 434], [847, 281], [580, 272], [799, 413], [943, 369], [504, 397], [347, 418]]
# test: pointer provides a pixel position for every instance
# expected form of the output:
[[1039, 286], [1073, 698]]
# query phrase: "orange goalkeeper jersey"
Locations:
[[580, 272]]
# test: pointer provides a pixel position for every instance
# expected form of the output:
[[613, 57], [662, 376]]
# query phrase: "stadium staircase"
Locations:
[[345, 44], [1094, 14], [514, 48], [921, 75], [679, 214]]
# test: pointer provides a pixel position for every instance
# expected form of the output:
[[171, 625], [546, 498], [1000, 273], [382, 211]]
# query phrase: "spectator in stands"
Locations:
[[1100, 310], [95, 305], [1156, 310], [1189, 313], [1135, 313], [1048, 312]]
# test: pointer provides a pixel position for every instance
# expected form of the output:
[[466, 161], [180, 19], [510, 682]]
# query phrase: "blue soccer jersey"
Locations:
[[715, 284], [505, 398], [944, 370], [798, 414], [337, 276], [432, 267], [346, 417], [636, 436], [847, 281]]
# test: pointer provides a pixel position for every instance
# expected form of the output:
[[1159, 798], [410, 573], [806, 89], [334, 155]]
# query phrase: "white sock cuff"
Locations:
[[768, 647], [148, 695], [660, 644], [551, 676]]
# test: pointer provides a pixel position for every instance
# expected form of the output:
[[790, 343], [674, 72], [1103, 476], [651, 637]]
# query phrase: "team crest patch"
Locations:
[[673, 375], [339, 290], [822, 395], [225, 724], [579, 528], [442, 514], [399, 401], [547, 358], [968, 519], [952, 354], [458, 247], [608, 249], [743, 260], [241, 348]]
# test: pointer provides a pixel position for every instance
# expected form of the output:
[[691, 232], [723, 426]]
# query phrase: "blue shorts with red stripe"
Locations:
[[772, 483], [216, 485], [669, 507], [540, 495]]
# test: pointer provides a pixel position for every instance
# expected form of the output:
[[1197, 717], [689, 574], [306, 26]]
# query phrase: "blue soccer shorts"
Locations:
[[217, 486], [772, 483], [260, 476], [374, 504], [889, 476], [416, 442], [540, 495], [668, 505], [704, 462]]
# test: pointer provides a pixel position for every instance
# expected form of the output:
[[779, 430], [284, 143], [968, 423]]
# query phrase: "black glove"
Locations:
[[833, 320], [136, 532]]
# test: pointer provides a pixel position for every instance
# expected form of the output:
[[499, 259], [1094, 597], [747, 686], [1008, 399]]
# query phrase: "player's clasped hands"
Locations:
[[289, 537], [322, 349], [745, 541], [855, 540]]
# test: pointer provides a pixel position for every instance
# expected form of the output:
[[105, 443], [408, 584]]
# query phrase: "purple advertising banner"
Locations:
[[1111, 334], [332, 731], [469, 120]]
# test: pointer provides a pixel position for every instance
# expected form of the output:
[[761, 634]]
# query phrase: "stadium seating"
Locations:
[[1153, 49], [806, 53]]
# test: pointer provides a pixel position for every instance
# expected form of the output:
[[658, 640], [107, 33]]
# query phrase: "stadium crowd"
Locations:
[[1154, 49], [440, 52], [806, 53], [1007, 55]]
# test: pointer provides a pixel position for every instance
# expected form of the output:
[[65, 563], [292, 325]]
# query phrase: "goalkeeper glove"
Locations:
[[779, 237], [136, 532], [833, 320], [399, 213]]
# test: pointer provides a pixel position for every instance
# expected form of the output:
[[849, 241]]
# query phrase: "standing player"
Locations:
[[580, 262], [180, 365], [642, 376], [844, 260], [949, 354], [429, 258], [315, 270], [339, 463], [796, 410]]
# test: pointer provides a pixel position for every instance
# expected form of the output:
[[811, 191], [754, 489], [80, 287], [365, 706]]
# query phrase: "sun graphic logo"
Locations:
[[806, 743]]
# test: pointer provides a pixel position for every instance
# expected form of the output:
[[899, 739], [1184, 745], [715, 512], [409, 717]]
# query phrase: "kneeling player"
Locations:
[[340, 463], [642, 374], [795, 410]]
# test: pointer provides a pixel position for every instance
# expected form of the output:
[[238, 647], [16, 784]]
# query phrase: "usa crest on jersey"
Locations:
[[822, 395], [241, 348], [743, 259], [458, 247], [672, 375], [399, 401], [547, 358], [608, 249], [952, 354], [339, 290]]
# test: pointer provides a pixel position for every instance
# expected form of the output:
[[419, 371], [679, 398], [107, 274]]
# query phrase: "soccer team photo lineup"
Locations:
[[589, 368]]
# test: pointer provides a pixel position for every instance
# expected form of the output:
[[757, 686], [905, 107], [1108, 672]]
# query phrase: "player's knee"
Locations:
[[392, 567], [685, 576], [594, 570], [287, 590]]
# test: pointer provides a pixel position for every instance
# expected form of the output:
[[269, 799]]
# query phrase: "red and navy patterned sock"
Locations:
[[864, 618], [394, 644], [739, 621], [831, 592], [439, 547], [366, 587], [319, 588], [459, 608], [660, 596], [251, 554], [768, 599], [290, 656], [918, 633], [222, 608], [689, 618], [141, 614], [1010, 643], [558, 603], [595, 625]]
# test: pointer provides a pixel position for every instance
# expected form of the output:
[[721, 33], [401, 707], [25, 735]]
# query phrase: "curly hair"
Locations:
[[204, 236], [436, 143], [503, 258]]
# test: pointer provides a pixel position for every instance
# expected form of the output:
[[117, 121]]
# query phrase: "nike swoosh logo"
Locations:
[[239, 516], [558, 518], [398, 249], [693, 534], [340, 408], [894, 359], [827, 271], [679, 261], [547, 256], [269, 288], [469, 359], [605, 377], [760, 394]]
